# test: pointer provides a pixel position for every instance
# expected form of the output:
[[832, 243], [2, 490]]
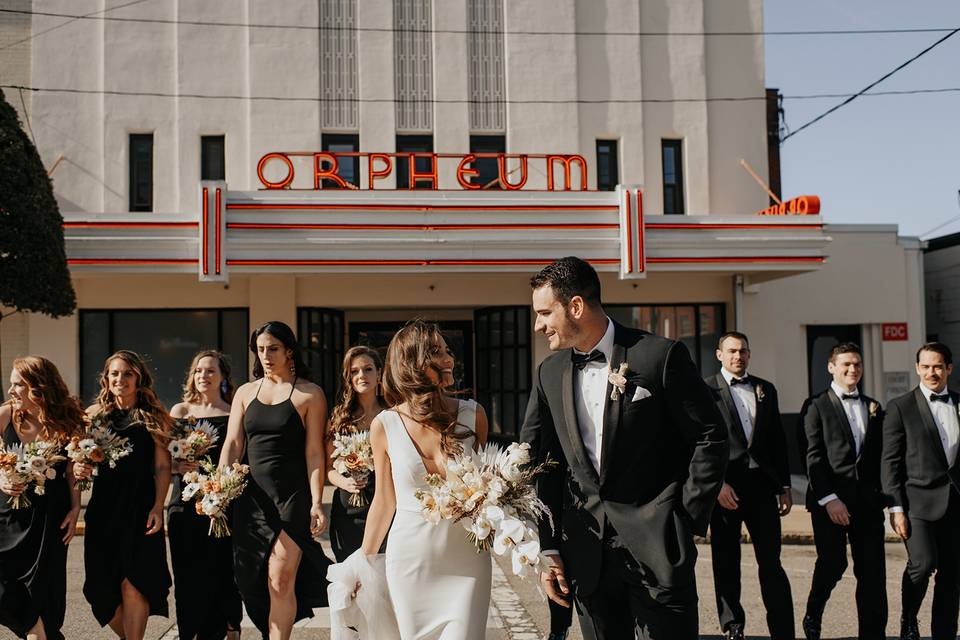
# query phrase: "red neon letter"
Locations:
[[430, 175], [319, 173], [567, 161], [382, 173], [282, 184], [463, 171], [502, 162]]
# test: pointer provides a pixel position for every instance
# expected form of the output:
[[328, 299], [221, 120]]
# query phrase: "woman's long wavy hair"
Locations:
[[190, 393], [342, 419], [60, 415], [148, 409], [284, 334], [410, 353]]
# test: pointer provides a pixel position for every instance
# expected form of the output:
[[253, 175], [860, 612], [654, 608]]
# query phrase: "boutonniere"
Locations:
[[618, 379], [760, 394], [874, 408]]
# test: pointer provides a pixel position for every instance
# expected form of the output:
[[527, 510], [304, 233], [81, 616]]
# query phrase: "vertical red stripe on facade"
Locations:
[[629, 236], [641, 259], [203, 234], [216, 232]]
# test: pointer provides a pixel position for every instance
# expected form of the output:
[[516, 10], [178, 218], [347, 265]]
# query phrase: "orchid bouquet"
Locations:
[[493, 495], [98, 445], [353, 456], [213, 490], [195, 439], [29, 464]]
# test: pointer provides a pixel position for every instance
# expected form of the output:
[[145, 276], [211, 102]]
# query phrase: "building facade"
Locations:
[[344, 165]]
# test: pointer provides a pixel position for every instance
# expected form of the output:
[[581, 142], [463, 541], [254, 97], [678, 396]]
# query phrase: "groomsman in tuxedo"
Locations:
[[641, 451], [921, 432], [842, 431], [756, 492]]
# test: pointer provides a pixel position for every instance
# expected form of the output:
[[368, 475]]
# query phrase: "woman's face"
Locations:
[[364, 375], [274, 356], [19, 393], [121, 378], [207, 375], [440, 369]]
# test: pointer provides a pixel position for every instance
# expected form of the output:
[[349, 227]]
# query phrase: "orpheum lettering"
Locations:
[[279, 170], [801, 206]]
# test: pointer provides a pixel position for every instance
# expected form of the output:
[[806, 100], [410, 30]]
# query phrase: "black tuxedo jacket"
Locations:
[[661, 468], [768, 446], [833, 465], [915, 472]]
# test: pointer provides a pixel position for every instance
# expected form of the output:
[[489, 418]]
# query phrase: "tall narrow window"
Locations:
[[673, 177], [608, 172], [503, 367], [212, 158], [349, 166], [141, 172], [413, 144], [489, 171]]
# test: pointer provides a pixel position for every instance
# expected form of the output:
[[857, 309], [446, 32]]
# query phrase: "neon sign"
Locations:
[[800, 206]]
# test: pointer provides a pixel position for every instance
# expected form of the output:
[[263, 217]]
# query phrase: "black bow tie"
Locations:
[[850, 396], [580, 360], [736, 381], [940, 398]]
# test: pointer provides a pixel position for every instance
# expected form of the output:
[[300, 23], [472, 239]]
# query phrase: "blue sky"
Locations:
[[889, 159]]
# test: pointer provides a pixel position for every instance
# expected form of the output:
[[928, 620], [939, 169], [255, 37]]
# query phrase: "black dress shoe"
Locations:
[[909, 630], [734, 631], [557, 635], [811, 627]]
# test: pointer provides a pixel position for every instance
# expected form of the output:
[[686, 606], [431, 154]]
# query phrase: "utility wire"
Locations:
[[88, 16], [863, 91], [299, 27], [200, 96]]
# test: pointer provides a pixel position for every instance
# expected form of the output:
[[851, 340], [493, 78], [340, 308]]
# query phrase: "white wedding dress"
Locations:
[[438, 583]]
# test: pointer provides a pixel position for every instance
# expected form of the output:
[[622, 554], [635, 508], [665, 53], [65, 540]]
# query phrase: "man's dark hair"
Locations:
[[844, 347], [733, 334], [569, 277], [937, 347]]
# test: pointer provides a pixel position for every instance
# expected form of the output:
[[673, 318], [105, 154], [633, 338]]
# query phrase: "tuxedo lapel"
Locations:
[[570, 417], [923, 407], [611, 409], [734, 423], [842, 417]]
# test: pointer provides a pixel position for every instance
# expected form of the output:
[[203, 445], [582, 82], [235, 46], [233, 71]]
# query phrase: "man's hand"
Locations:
[[785, 502], [837, 511], [728, 498], [900, 524], [555, 582]]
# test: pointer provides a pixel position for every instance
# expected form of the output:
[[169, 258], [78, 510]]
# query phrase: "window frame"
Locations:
[[136, 170], [614, 160], [497, 140], [402, 170], [675, 205], [205, 142], [523, 349], [329, 139]]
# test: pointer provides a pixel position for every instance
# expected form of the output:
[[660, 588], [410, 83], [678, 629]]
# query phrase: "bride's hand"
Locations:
[[356, 590]]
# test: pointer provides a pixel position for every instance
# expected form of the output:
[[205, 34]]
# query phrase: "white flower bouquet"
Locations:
[[195, 439], [29, 464], [493, 495], [98, 445], [353, 456], [213, 490]]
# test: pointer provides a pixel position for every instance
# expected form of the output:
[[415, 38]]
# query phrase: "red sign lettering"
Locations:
[[894, 331], [801, 206]]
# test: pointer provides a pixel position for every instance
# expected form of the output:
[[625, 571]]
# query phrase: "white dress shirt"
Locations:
[[590, 397], [745, 401], [856, 411]]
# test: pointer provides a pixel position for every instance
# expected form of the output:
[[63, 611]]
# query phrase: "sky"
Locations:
[[885, 159]]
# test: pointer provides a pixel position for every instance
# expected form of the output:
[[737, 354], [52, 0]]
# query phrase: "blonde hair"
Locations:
[[347, 403], [60, 415], [148, 409], [190, 393], [411, 351]]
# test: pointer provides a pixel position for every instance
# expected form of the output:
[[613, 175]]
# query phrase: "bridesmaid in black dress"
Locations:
[[360, 402], [206, 595], [281, 569], [125, 554], [34, 539]]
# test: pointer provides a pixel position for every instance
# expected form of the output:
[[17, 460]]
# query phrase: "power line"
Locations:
[[863, 91], [73, 18], [200, 96], [300, 27]]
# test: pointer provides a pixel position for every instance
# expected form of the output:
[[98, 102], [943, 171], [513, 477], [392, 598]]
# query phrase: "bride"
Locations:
[[438, 584]]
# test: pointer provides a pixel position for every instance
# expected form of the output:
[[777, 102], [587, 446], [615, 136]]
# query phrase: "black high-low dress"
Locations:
[[277, 498], [347, 521], [33, 558], [116, 545], [205, 591]]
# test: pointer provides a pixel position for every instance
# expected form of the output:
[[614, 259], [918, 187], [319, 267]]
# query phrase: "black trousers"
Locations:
[[932, 547], [758, 510], [560, 617], [624, 606], [865, 535]]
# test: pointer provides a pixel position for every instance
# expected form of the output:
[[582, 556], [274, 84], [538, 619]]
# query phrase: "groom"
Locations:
[[642, 452]]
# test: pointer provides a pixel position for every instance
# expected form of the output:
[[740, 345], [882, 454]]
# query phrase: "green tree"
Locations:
[[33, 263]]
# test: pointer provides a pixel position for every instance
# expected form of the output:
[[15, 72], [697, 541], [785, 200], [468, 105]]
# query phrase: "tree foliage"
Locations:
[[33, 263]]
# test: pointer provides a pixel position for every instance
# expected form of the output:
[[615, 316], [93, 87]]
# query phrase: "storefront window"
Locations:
[[166, 338], [503, 367], [320, 332]]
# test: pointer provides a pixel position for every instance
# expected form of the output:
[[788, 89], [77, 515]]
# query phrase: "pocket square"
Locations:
[[640, 393]]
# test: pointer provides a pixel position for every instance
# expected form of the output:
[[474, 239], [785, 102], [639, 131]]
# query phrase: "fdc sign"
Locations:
[[894, 331]]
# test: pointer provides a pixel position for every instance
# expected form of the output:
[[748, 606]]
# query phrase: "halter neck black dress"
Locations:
[[116, 545], [33, 558], [205, 591], [277, 499]]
